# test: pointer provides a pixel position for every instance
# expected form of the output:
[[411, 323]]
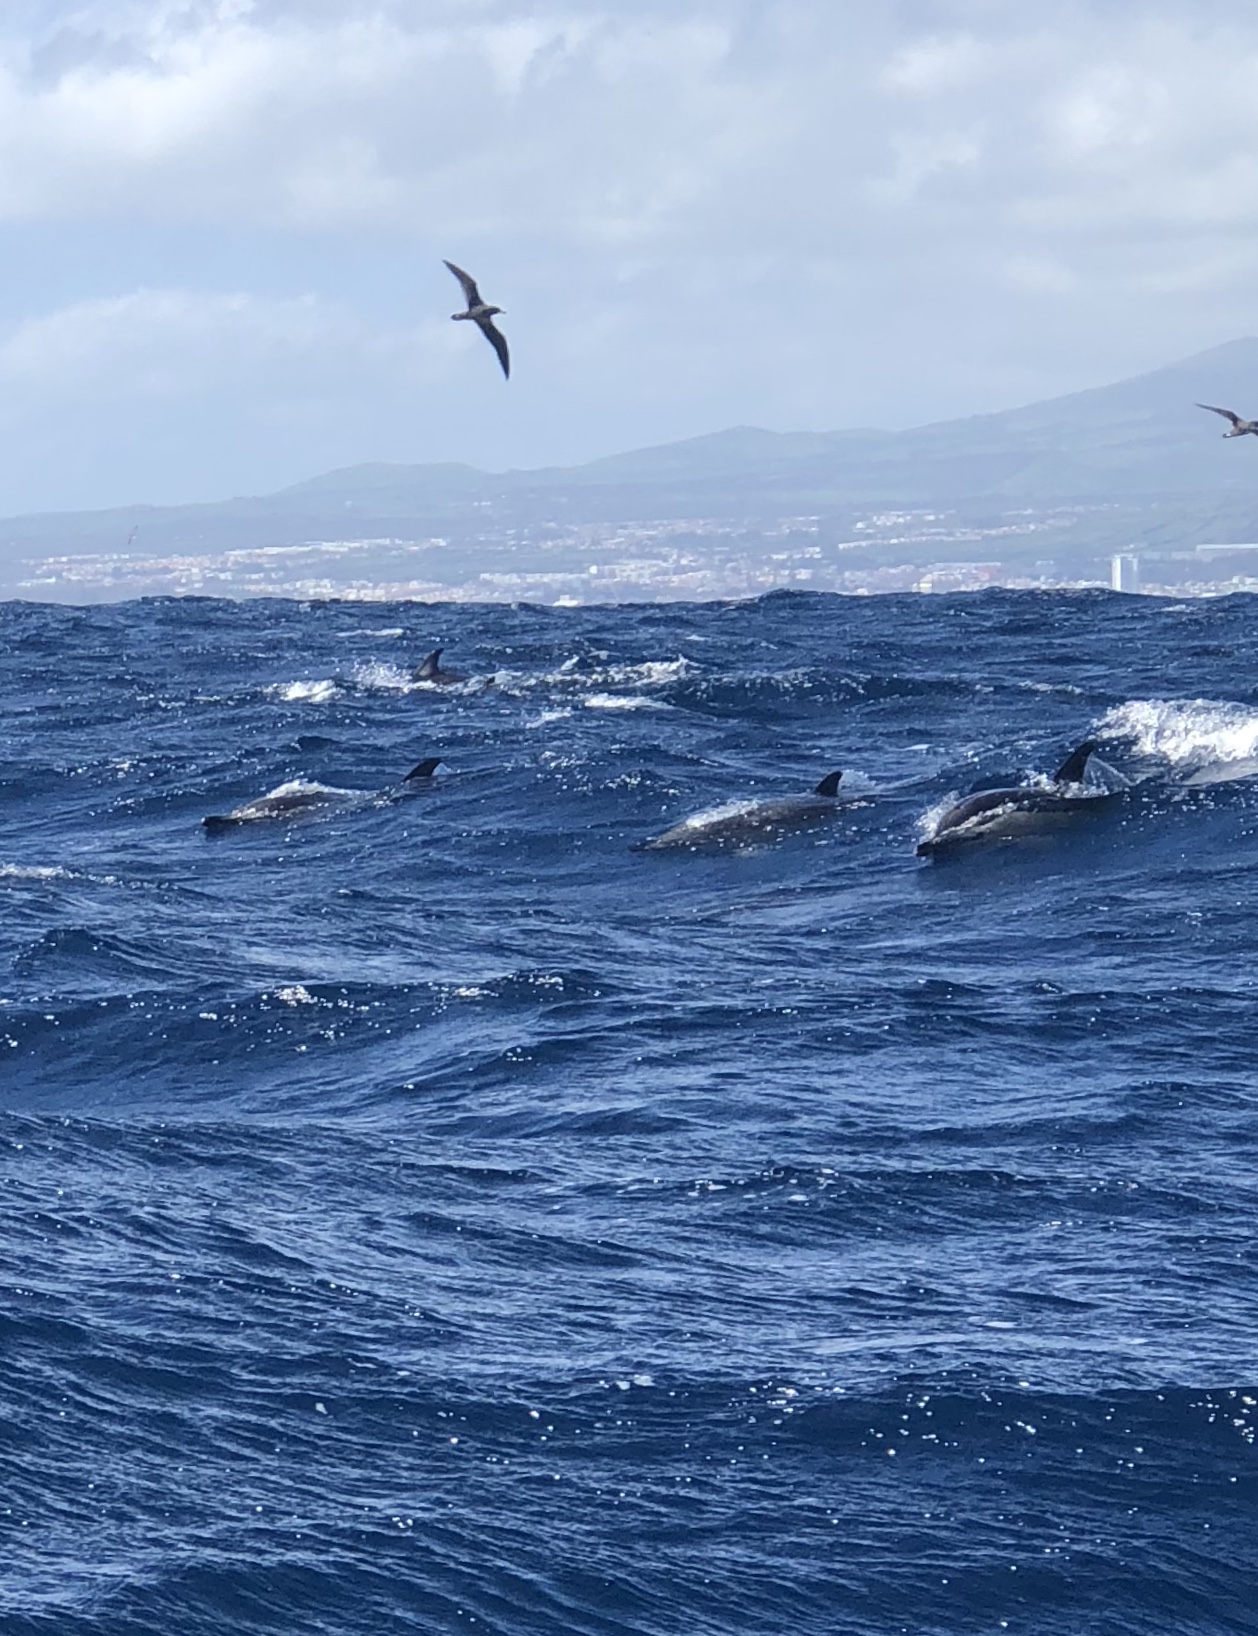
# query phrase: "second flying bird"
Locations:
[[481, 314]]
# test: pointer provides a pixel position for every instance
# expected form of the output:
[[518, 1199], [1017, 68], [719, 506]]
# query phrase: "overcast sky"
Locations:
[[224, 223]]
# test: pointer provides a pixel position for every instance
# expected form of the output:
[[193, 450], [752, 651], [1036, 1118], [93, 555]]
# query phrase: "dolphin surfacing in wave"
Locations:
[[745, 822], [1026, 809], [432, 670], [300, 798]]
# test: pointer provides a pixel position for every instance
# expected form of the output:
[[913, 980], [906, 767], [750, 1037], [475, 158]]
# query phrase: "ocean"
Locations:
[[428, 1213]]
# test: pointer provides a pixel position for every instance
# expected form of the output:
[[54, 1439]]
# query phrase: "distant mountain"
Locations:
[[1139, 443]]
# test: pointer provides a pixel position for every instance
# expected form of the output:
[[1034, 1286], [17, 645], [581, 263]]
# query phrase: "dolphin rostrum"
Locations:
[[1008, 814], [432, 670], [300, 798], [482, 315], [748, 821]]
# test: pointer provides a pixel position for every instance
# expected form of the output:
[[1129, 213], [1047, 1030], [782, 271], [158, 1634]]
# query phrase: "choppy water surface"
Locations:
[[432, 1215]]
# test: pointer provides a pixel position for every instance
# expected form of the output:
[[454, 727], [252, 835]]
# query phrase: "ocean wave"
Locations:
[[1192, 735], [498, 1228]]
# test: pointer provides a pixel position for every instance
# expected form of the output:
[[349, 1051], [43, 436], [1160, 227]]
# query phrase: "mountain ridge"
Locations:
[[1138, 441]]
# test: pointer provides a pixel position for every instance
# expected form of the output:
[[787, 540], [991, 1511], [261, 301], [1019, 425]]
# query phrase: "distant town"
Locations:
[[693, 559]]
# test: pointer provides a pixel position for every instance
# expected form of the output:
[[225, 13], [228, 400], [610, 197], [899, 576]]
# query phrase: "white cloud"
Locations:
[[800, 212], [164, 344], [624, 125]]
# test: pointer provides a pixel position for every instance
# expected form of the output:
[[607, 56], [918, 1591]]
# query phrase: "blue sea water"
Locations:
[[433, 1215]]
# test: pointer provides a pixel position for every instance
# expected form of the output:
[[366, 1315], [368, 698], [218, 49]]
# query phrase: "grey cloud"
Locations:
[[793, 212]]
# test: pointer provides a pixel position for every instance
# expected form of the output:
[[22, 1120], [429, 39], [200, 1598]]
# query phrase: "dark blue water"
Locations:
[[434, 1216]]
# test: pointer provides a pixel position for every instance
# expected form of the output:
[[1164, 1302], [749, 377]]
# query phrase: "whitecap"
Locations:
[[310, 786], [654, 673], [617, 701], [294, 994], [712, 815], [1193, 735], [573, 672], [928, 822], [385, 678], [320, 692]]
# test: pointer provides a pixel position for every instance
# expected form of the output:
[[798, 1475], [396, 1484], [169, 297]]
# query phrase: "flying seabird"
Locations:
[[1239, 426], [480, 313]]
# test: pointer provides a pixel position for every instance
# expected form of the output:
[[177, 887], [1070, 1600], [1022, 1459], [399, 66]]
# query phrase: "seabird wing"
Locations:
[[498, 341], [470, 293], [1226, 413]]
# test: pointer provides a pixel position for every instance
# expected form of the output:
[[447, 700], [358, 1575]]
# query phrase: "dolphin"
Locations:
[[432, 670], [748, 821], [1008, 814], [302, 799]]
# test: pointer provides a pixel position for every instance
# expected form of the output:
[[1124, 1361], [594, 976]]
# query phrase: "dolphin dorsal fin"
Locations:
[[1073, 767], [829, 785], [431, 667], [425, 769]]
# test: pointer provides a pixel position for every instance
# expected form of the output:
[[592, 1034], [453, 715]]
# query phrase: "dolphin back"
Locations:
[[425, 769], [430, 669]]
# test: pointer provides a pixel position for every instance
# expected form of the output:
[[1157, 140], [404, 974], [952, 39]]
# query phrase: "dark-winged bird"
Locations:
[[1239, 426], [483, 314]]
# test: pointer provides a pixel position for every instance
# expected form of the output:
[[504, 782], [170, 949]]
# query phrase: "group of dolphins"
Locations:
[[987, 815]]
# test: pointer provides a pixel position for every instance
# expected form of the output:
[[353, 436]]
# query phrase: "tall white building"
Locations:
[[1124, 571]]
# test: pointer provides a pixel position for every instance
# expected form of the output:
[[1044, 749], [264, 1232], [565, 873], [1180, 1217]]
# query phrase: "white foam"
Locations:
[[308, 786], [655, 673], [617, 701], [928, 822], [23, 871], [570, 673], [1188, 733], [294, 994], [320, 692], [385, 678], [714, 815], [295, 797]]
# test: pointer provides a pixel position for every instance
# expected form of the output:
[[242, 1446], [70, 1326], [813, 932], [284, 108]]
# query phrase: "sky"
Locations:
[[224, 221]]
